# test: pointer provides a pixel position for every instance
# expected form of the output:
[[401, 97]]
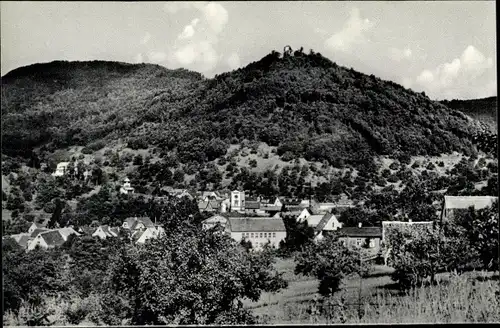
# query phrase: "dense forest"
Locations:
[[302, 103], [483, 110]]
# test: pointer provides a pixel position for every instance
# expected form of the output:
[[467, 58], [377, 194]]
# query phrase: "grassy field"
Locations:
[[466, 298]]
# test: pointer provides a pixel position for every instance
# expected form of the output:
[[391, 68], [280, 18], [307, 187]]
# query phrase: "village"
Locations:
[[252, 219]]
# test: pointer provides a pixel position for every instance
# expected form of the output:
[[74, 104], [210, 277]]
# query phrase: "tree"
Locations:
[[55, 219], [298, 235], [208, 276], [330, 261], [419, 254], [481, 228]]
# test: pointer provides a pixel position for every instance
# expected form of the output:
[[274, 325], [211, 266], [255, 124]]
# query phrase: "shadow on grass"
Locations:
[[490, 278]]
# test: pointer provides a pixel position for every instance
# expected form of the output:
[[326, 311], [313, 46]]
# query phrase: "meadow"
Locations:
[[470, 297]]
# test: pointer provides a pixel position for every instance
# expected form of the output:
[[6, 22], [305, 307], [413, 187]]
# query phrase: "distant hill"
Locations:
[[484, 110], [304, 104]]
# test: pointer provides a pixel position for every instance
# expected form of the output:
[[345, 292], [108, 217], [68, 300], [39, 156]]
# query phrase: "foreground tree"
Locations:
[[482, 233], [330, 261], [417, 255], [193, 277]]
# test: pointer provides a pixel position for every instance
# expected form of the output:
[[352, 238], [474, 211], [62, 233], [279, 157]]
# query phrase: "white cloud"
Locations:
[[146, 38], [201, 55], [196, 43], [157, 57], [216, 16], [173, 7], [399, 54], [463, 77], [139, 59], [352, 33], [234, 61]]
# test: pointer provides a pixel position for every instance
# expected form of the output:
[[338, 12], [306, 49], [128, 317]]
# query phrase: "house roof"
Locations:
[[87, 230], [233, 215], [36, 232], [133, 221], [252, 224], [23, 241], [52, 238], [324, 220], [65, 232], [272, 208], [252, 205], [464, 202], [115, 230], [314, 220], [373, 232]]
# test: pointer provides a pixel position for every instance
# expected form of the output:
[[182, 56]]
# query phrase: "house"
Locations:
[[275, 201], [47, 239], [271, 210], [253, 207], [313, 220], [179, 193], [454, 204], [140, 237], [138, 223], [365, 237], [22, 239], [126, 188], [237, 200], [257, 230], [304, 215], [66, 232], [61, 169], [328, 223], [87, 230], [104, 231], [35, 226], [209, 206], [206, 196], [36, 232]]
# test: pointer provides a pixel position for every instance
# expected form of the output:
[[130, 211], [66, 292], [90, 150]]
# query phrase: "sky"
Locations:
[[447, 49]]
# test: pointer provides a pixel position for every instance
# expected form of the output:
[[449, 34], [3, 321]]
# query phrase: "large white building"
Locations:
[[259, 231]]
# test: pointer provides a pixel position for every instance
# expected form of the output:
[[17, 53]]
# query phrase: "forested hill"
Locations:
[[484, 110], [304, 104]]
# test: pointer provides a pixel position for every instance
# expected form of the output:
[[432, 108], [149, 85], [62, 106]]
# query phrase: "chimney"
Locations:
[[409, 220], [359, 225]]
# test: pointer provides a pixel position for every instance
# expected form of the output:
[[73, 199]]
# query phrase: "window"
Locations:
[[260, 235], [372, 243], [235, 196], [358, 242], [251, 235], [274, 234], [265, 234]]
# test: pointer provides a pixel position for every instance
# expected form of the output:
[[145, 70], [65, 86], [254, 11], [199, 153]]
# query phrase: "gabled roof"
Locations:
[[252, 205], [253, 224], [36, 232], [52, 238], [132, 222], [271, 208], [23, 241], [464, 202], [116, 231], [314, 220], [65, 232], [324, 220], [87, 230], [373, 232]]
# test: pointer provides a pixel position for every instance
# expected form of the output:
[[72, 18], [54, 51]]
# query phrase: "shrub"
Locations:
[[393, 178], [87, 151], [430, 166], [394, 166], [415, 165], [441, 164]]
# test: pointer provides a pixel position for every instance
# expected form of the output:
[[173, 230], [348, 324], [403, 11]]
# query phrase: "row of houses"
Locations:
[[271, 230], [139, 229]]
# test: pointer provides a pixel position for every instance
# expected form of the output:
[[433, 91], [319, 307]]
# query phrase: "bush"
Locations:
[[394, 166], [441, 164], [87, 151], [415, 165], [138, 160], [430, 166], [393, 178]]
